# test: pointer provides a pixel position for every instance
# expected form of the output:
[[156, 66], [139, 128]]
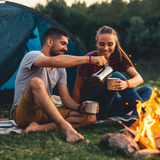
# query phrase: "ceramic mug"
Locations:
[[110, 83]]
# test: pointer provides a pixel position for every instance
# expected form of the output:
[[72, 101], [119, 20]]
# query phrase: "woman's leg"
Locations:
[[145, 93], [104, 97], [127, 99]]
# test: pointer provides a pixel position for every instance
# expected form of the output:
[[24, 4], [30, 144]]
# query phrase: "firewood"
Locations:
[[104, 140], [158, 143], [146, 142], [128, 134], [156, 134], [129, 129], [139, 132], [123, 143], [146, 153]]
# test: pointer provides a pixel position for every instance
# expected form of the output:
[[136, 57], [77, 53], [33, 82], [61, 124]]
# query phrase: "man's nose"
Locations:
[[66, 49]]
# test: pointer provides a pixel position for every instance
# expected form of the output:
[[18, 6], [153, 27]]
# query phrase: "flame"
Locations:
[[149, 121]]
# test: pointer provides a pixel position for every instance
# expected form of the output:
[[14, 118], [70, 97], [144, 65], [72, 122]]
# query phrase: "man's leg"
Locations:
[[36, 95], [74, 118], [78, 120]]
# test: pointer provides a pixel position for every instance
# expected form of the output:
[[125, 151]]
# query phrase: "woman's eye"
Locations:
[[101, 44], [110, 44]]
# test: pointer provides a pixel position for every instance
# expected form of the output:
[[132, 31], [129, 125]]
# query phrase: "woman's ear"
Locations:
[[96, 44]]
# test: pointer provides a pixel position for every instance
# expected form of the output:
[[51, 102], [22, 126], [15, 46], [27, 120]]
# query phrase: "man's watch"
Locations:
[[79, 109]]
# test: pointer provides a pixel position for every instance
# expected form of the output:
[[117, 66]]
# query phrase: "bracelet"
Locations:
[[127, 83], [79, 109], [89, 59]]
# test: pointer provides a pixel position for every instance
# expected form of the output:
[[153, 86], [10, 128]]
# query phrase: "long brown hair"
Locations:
[[118, 49]]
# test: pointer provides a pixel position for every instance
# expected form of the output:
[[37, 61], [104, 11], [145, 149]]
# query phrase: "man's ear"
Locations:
[[49, 42]]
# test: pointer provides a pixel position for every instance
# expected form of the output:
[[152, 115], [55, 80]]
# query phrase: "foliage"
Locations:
[[155, 83], [137, 23]]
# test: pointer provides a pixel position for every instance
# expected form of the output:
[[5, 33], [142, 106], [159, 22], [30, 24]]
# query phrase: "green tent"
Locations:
[[21, 31]]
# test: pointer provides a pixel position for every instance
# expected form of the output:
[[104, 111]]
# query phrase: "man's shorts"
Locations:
[[23, 115]]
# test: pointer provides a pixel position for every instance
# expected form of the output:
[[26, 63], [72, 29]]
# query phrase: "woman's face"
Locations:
[[106, 44]]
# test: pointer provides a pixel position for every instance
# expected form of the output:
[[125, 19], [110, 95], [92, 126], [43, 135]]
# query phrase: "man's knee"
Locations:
[[36, 83], [90, 119]]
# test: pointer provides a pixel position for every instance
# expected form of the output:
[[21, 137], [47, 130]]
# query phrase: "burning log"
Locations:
[[104, 140], [123, 143], [146, 153], [143, 137]]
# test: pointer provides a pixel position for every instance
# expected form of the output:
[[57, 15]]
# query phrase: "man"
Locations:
[[39, 72]]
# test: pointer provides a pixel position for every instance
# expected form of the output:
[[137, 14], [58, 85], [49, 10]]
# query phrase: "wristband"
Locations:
[[89, 59], [127, 83], [79, 109]]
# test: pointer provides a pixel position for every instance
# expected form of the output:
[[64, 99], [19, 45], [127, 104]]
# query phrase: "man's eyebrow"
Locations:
[[64, 42]]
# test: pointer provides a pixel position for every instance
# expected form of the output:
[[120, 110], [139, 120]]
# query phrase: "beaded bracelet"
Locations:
[[127, 83], [89, 59]]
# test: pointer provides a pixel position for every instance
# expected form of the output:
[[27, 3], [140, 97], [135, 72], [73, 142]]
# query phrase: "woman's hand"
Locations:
[[120, 84]]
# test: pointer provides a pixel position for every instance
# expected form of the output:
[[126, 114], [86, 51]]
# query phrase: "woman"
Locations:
[[110, 104]]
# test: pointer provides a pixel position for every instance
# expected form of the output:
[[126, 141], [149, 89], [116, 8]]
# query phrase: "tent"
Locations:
[[21, 31]]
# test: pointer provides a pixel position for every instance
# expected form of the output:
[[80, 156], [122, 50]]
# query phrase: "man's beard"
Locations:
[[53, 51]]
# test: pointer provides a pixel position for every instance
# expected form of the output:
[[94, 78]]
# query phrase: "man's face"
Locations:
[[59, 46]]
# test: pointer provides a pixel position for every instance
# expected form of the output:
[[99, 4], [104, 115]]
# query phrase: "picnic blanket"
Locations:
[[7, 126]]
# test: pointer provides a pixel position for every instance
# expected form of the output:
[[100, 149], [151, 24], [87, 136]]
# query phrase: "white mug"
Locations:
[[91, 106]]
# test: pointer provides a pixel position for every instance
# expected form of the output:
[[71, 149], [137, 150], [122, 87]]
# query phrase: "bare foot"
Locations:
[[72, 135], [33, 127]]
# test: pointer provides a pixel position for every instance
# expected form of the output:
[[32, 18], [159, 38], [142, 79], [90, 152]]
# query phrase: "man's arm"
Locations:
[[77, 86], [66, 98], [64, 61]]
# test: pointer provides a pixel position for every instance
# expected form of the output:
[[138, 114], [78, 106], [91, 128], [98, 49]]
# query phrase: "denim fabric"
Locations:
[[111, 105]]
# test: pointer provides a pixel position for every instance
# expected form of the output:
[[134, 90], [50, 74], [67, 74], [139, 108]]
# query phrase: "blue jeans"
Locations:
[[111, 105]]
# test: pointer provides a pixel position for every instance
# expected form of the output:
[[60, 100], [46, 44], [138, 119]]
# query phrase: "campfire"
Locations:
[[149, 123], [143, 137]]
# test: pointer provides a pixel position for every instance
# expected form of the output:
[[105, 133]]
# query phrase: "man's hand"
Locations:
[[98, 60], [81, 109]]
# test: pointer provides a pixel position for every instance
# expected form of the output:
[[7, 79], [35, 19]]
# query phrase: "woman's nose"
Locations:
[[106, 47]]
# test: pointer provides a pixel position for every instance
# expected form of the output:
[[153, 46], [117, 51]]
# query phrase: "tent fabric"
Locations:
[[21, 30]]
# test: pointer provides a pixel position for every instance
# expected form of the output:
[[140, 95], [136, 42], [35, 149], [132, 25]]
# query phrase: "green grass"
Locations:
[[51, 145]]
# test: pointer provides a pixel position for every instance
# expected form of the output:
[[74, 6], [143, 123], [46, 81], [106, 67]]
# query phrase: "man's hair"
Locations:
[[54, 33]]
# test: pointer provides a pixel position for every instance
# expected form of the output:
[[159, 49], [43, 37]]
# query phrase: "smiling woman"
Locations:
[[110, 104]]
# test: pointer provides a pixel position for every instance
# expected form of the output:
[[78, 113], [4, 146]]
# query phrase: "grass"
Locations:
[[51, 145]]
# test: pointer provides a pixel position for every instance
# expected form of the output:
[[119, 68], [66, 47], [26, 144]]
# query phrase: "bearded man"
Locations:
[[40, 71]]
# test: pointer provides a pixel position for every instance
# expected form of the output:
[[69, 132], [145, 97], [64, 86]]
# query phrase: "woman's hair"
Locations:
[[118, 49]]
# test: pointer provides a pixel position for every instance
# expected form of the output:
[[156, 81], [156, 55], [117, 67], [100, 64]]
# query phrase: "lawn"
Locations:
[[52, 145]]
